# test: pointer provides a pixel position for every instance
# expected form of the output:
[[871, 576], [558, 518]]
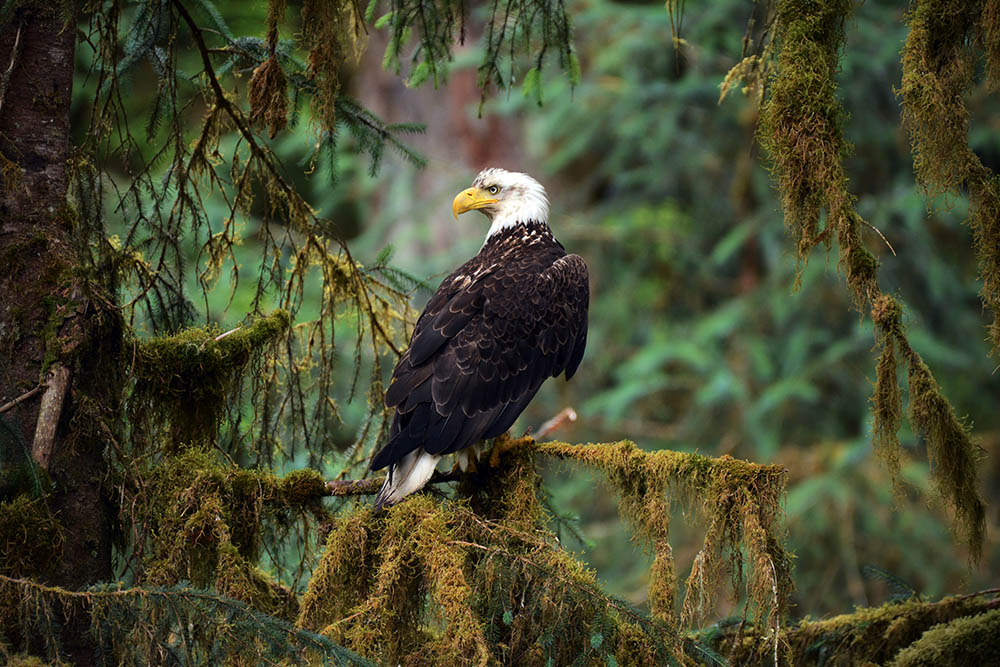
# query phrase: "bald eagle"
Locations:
[[498, 327]]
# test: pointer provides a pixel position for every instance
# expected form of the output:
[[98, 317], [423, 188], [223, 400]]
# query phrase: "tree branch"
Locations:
[[368, 487], [20, 399]]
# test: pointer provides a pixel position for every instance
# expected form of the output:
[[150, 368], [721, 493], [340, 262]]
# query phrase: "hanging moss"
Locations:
[[185, 379], [989, 38], [200, 520], [801, 129], [887, 400], [483, 580], [954, 457], [740, 501], [31, 538], [802, 121], [964, 641], [334, 34], [939, 66]]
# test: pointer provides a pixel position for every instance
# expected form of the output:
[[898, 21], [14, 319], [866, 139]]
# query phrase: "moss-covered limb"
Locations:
[[433, 581], [185, 379], [196, 518], [972, 640], [939, 65], [379, 609], [801, 130], [741, 501], [145, 625], [866, 636]]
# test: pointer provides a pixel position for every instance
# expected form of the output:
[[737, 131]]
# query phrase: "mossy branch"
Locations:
[[740, 500], [376, 564], [939, 64], [802, 131], [913, 632]]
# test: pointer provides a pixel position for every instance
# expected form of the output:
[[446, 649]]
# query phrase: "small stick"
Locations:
[[223, 335], [877, 231], [566, 415], [21, 399]]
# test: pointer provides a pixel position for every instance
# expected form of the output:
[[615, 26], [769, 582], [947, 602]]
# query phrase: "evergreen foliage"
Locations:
[[220, 558]]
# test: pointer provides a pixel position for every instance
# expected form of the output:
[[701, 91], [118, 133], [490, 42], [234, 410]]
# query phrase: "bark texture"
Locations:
[[51, 333]]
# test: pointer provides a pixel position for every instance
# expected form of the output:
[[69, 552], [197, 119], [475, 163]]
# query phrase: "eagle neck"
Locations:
[[500, 234]]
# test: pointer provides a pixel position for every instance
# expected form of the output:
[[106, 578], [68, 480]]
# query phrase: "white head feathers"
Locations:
[[520, 198]]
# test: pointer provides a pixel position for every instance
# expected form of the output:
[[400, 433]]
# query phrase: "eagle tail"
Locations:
[[406, 476]]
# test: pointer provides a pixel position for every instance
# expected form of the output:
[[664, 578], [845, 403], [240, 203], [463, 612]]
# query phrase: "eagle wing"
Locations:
[[480, 351]]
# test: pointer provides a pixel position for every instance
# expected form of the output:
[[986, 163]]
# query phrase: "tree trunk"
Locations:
[[51, 331]]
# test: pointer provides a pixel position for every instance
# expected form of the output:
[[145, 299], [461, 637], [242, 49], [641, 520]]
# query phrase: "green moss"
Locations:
[[939, 64], [477, 581], [937, 73], [989, 38], [27, 661], [31, 538], [203, 520], [954, 457], [802, 121], [185, 379], [740, 501], [973, 640], [865, 636]]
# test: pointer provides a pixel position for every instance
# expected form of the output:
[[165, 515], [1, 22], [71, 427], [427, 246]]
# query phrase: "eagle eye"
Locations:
[[494, 189]]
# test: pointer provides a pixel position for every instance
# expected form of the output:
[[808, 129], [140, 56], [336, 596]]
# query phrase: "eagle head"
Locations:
[[505, 197]]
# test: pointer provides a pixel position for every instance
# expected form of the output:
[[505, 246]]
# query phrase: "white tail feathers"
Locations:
[[406, 476]]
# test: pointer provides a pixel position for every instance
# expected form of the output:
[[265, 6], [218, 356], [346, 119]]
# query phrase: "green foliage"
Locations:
[[531, 29], [170, 625]]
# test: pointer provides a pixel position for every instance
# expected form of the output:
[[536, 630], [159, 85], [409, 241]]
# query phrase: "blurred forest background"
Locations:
[[707, 333], [699, 338]]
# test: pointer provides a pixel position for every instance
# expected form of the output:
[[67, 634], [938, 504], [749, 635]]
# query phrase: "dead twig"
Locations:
[[565, 415], [9, 405]]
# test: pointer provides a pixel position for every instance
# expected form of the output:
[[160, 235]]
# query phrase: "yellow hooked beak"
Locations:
[[471, 199]]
